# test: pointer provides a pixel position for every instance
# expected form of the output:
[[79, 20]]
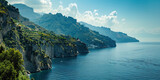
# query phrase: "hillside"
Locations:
[[117, 36], [69, 26]]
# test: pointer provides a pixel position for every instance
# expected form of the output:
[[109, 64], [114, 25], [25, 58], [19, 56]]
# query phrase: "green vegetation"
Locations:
[[3, 10], [24, 35], [11, 62]]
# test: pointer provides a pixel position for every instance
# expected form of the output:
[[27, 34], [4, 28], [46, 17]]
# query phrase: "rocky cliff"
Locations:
[[81, 47], [5, 22]]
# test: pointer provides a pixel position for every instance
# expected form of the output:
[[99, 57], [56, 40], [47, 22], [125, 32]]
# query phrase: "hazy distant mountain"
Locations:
[[69, 26], [27, 12], [117, 36]]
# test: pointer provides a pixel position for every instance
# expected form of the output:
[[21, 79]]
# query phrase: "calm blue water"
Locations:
[[128, 61]]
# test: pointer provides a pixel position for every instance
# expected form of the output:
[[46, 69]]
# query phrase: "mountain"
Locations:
[[69, 26], [27, 12], [37, 45], [117, 36]]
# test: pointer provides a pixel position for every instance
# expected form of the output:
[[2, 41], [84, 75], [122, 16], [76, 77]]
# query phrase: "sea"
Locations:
[[127, 61]]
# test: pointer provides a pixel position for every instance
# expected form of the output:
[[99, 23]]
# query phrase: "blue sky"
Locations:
[[137, 18]]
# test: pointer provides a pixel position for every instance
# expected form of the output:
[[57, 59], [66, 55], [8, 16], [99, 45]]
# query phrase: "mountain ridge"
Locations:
[[69, 26], [119, 37]]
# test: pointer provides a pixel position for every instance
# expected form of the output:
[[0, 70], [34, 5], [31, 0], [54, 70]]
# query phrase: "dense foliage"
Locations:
[[13, 12], [11, 62]]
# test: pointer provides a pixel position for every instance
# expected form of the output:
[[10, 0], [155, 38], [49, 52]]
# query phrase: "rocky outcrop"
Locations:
[[81, 47]]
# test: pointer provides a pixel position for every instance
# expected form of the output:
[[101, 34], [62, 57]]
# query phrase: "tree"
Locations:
[[7, 71], [11, 62], [14, 56]]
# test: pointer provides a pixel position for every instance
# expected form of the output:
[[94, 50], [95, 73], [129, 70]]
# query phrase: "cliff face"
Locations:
[[5, 22], [81, 47], [35, 60], [59, 50]]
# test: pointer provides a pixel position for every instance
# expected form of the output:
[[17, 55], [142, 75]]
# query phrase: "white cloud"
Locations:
[[71, 10], [114, 13], [99, 20], [95, 10], [91, 17], [44, 6]]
